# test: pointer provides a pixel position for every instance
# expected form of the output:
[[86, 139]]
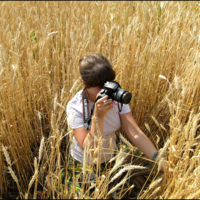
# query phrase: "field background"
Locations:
[[154, 48]]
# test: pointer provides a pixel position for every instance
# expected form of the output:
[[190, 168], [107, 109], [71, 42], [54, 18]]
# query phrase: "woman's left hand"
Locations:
[[163, 165]]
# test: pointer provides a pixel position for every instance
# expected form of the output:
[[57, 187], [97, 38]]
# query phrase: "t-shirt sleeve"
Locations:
[[74, 117], [125, 109]]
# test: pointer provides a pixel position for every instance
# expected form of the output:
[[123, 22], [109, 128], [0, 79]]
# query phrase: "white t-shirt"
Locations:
[[112, 123]]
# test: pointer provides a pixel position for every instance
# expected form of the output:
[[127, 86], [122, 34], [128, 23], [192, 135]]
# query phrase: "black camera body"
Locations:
[[114, 92]]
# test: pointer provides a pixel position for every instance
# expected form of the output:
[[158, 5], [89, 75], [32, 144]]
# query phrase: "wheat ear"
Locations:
[[15, 179], [117, 186], [41, 149], [155, 183], [127, 168], [6, 155], [155, 191]]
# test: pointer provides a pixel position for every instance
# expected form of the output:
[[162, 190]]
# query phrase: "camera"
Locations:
[[114, 92]]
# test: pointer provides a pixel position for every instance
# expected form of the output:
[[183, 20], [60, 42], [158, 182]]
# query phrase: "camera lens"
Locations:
[[122, 96], [126, 97]]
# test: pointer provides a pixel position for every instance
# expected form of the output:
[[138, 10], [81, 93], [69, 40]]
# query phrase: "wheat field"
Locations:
[[153, 47]]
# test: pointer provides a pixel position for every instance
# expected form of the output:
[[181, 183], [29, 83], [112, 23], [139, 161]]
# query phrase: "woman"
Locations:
[[95, 70]]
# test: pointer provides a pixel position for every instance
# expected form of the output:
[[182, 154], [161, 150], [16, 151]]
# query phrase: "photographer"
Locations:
[[95, 71]]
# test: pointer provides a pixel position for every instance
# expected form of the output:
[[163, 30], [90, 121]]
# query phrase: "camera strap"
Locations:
[[86, 111], [120, 109]]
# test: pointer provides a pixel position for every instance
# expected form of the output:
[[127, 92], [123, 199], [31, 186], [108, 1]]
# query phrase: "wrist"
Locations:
[[155, 155], [98, 116]]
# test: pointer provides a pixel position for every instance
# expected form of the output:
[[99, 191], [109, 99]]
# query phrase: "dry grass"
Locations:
[[40, 45]]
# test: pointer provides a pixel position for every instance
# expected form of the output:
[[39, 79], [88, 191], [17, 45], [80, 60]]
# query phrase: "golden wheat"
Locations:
[[154, 49]]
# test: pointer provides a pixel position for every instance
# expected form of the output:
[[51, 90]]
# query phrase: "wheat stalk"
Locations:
[[13, 175], [31, 182], [131, 147]]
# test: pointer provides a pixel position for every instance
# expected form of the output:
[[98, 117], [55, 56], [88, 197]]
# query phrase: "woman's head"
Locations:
[[95, 70]]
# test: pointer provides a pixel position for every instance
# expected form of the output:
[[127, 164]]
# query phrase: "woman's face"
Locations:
[[94, 90]]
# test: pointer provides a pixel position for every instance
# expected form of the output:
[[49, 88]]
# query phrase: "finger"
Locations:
[[108, 106], [101, 100], [104, 107], [107, 101]]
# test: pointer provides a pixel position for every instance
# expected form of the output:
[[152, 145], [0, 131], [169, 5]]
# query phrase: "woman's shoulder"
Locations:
[[74, 111], [75, 102]]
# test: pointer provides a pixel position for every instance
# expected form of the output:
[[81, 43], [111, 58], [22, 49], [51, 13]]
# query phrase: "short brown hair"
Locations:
[[95, 70]]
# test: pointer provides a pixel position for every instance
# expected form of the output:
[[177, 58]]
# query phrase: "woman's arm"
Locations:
[[136, 136], [102, 106], [81, 133]]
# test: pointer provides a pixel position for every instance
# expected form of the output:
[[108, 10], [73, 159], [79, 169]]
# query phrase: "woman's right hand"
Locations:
[[103, 106]]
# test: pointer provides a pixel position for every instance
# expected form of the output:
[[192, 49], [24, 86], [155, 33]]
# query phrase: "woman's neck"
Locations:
[[91, 97], [92, 93]]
